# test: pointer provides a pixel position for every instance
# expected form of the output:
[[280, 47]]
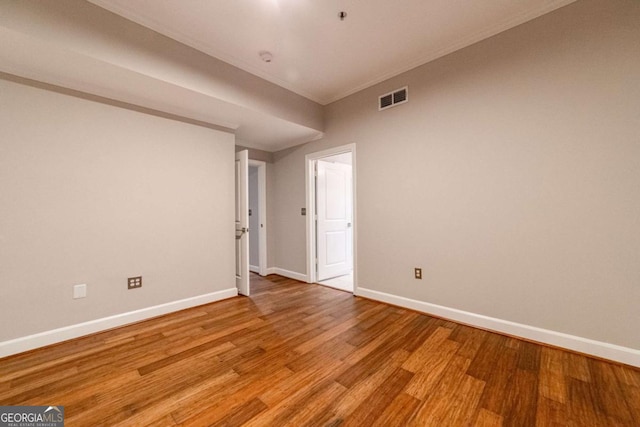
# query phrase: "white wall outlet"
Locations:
[[79, 291]]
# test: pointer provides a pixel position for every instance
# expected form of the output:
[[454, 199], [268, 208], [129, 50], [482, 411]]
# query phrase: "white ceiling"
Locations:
[[317, 55], [34, 59]]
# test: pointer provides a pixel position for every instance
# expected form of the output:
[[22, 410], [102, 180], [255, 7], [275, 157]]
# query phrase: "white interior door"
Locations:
[[242, 222], [334, 220]]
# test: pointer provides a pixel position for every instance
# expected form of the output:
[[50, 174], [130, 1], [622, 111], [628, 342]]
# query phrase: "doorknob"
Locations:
[[348, 225]]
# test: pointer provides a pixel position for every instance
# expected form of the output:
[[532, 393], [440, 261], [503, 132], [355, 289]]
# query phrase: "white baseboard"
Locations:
[[254, 269], [601, 349], [287, 273], [54, 336]]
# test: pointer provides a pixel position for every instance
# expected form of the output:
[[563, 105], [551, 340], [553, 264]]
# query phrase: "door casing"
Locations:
[[262, 214], [310, 160], [242, 222]]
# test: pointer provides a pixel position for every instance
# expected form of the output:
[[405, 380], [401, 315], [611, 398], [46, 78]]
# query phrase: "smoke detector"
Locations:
[[266, 56]]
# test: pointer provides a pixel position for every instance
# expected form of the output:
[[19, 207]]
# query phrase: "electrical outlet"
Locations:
[[134, 282], [417, 273]]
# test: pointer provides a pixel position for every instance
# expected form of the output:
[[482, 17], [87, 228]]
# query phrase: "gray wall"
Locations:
[[92, 193], [255, 154], [287, 246], [511, 177], [271, 213]]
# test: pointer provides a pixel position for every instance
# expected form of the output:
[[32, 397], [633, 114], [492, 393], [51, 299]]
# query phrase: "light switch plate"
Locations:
[[79, 291]]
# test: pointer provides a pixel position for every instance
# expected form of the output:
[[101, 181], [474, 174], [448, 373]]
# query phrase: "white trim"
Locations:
[[287, 273], [262, 212], [243, 282], [309, 161], [254, 269], [601, 349], [54, 336]]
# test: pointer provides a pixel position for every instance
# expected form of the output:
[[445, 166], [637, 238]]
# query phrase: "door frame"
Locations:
[[243, 284], [262, 214], [309, 162]]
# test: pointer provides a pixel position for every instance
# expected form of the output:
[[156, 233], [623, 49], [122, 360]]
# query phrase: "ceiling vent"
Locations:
[[391, 99]]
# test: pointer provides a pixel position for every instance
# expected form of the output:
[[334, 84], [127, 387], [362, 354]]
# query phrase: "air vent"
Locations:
[[392, 99], [386, 101]]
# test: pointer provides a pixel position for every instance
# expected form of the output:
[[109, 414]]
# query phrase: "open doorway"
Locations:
[[242, 222], [250, 220], [331, 219], [257, 217]]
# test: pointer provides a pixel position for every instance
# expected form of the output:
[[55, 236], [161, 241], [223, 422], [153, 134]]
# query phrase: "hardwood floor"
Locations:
[[298, 354]]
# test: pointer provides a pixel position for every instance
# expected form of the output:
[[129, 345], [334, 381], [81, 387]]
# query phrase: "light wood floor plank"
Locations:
[[306, 355]]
